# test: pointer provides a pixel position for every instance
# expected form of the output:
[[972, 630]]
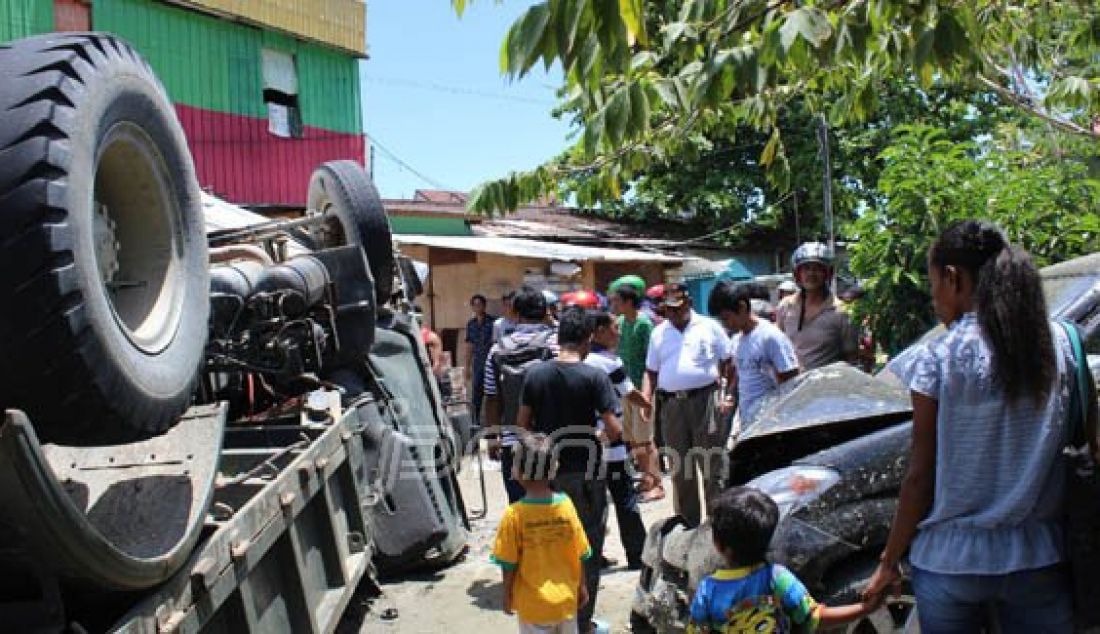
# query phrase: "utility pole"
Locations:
[[797, 228], [827, 191]]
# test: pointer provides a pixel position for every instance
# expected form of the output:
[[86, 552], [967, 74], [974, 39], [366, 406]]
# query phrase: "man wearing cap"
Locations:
[[816, 322], [688, 354], [635, 329]]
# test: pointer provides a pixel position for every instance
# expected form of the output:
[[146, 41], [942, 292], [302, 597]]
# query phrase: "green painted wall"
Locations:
[[20, 18], [214, 64], [426, 226]]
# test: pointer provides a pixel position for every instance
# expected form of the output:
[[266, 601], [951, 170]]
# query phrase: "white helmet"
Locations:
[[812, 252]]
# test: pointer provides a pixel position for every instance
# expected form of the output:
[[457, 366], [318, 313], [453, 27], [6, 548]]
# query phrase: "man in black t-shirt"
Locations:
[[559, 399]]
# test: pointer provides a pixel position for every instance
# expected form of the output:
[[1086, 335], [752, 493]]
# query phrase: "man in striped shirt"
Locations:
[[620, 483]]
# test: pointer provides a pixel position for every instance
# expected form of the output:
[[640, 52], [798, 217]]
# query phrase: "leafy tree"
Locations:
[[1049, 206], [645, 77], [719, 180]]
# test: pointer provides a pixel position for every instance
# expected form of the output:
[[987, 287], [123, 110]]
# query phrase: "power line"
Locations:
[[457, 90], [396, 159]]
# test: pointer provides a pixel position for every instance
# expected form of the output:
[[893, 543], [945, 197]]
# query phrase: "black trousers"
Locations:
[[625, 498], [589, 496], [514, 490]]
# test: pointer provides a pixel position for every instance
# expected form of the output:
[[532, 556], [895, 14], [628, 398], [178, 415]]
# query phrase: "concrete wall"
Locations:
[[451, 284]]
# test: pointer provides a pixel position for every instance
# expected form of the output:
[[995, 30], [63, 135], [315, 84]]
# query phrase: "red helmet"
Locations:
[[584, 298], [655, 292]]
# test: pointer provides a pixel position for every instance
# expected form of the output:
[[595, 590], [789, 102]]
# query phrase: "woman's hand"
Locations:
[[886, 577]]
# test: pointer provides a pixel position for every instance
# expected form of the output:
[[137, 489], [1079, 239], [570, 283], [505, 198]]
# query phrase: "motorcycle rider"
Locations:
[[816, 321]]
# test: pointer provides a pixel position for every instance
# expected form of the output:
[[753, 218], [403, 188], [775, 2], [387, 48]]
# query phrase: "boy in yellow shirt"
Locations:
[[540, 545]]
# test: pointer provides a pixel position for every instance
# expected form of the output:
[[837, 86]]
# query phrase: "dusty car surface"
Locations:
[[832, 449]]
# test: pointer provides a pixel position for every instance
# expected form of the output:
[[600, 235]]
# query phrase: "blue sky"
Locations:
[[434, 98]]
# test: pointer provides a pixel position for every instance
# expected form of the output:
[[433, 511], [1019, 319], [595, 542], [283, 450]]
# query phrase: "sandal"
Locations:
[[651, 488]]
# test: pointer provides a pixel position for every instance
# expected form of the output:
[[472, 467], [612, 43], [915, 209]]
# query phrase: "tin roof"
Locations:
[[520, 247]]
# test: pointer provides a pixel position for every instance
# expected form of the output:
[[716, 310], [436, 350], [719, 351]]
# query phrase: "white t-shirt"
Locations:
[[612, 365], [687, 360], [761, 355]]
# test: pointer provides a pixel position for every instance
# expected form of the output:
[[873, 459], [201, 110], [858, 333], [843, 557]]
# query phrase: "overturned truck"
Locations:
[[202, 431]]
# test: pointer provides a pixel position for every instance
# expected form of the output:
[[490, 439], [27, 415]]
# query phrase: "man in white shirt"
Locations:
[[763, 356], [688, 354]]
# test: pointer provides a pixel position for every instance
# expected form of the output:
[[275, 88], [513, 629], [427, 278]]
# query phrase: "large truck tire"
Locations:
[[344, 189], [103, 259]]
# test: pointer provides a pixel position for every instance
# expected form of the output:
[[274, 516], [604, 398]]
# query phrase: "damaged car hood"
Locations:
[[830, 395]]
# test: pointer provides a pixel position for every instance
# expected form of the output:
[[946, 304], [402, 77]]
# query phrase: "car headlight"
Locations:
[[794, 487]]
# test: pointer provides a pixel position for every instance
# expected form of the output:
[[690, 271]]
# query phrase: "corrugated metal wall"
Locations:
[[213, 71], [214, 64], [20, 18], [338, 23]]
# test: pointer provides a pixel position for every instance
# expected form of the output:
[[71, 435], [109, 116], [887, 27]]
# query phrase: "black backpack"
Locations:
[[512, 360]]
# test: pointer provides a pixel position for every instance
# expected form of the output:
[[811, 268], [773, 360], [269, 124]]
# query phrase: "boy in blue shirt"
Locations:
[[753, 595]]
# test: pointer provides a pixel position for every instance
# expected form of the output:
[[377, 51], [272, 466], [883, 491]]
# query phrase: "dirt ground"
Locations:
[[466, 597]]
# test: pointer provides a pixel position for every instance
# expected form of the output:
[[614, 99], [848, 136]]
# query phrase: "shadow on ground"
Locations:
[[487, 595]]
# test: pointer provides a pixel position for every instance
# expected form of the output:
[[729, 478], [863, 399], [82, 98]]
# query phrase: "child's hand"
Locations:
[[582, 595], [872, 603]]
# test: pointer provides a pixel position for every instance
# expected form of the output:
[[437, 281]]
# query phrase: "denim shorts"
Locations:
[[1034, 601]]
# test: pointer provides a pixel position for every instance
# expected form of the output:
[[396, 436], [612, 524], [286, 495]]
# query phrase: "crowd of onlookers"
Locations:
[[587, 396]]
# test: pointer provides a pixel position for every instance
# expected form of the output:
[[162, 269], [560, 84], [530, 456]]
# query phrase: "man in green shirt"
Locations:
[[635, 329]]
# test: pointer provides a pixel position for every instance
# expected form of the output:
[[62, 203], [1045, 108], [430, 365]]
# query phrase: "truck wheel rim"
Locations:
[[137, 237]]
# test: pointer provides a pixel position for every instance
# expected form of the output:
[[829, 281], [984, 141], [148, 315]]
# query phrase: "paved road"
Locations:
[[467, 596]]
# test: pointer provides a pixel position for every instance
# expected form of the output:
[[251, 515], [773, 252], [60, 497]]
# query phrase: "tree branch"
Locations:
[[1026, 105]]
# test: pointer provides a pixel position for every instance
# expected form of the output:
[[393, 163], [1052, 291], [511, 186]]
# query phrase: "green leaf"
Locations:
[[666, 88], [593, 132], [771, 46], [950, 39], [808, 23], [588, 59], [617, 116], [851, 41], [771, 148], [673, 33], [922, 57], [571, 14], [639, 109], [609, 22], [633, 17], [688, 10], [532, 29], [643, 60], [1071, 92]]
